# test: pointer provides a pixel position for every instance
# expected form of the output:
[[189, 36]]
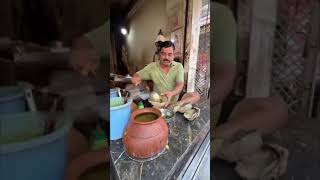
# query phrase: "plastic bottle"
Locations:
[[140, 105]]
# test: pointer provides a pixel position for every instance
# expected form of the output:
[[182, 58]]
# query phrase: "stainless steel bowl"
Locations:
[[167, 114]]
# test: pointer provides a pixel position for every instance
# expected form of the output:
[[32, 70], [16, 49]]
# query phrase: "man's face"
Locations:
[[166, 56]]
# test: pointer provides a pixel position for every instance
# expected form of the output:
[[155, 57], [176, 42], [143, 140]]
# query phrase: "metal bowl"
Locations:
[[167, 114]]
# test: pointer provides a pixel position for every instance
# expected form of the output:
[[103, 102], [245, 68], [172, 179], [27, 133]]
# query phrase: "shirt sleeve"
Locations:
[[224, 35], [180, 74], [145, 73], [100, 39]]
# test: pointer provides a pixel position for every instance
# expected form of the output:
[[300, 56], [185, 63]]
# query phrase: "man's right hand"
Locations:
[[136, 80]]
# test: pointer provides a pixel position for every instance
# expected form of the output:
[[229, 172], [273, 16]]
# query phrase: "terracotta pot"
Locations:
[[77, 144], [84, 162], [133, 107], [145, 139]]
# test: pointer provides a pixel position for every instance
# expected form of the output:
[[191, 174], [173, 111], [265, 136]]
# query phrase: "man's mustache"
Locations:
[[166, 60]]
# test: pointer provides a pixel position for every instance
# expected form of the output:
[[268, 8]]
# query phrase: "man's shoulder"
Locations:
[[150, 66], [153, 64], [176, 64]]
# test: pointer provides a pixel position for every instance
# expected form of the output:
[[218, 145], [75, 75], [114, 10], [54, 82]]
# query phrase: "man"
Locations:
[[262, 114], [167, 76]]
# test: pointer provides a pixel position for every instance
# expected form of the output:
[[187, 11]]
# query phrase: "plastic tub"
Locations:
[[31, 155], [12, 99], [119, 118], [114, 93]]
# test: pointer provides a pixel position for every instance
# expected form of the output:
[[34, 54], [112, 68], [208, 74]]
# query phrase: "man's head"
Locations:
[[166, 54]]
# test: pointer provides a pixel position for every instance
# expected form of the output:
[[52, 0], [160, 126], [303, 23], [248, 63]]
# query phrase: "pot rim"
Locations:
[[142, 111], [85, 162]]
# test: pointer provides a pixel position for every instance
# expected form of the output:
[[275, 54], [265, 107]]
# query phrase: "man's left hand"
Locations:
[[169, 95]]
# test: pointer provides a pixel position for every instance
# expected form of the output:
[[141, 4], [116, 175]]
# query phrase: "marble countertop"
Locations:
[[183, 137]]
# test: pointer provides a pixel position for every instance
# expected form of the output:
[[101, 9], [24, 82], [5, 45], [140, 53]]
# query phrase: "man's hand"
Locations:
[[84, 58], [179, 103], [169, 95], [136, 80]]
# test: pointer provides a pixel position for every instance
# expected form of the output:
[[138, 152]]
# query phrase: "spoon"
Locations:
[[50, 124]]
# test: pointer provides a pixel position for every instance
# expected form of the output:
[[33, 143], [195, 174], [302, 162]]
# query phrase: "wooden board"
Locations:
[[261, 48], [312, 60], [192, 43]]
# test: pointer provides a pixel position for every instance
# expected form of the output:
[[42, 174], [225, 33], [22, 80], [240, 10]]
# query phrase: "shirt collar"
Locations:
[[172, 64]]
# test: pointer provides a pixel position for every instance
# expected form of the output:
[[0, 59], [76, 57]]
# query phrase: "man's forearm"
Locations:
[[177, 90]]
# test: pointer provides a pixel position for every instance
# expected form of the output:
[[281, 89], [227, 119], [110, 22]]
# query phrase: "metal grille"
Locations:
[[288, 64], [202, 75], [202, 79]]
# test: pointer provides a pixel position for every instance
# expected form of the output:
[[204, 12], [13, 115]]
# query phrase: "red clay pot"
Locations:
[[145, 139], [84, 162]]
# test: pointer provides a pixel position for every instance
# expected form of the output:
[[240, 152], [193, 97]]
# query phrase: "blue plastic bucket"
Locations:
[[119, 118], [37, 156], [12, 99], [114, 93]]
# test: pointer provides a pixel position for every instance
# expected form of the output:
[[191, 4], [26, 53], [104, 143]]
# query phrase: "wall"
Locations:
[[6, 24], [144, 26], [77, 17], [81, 16]]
